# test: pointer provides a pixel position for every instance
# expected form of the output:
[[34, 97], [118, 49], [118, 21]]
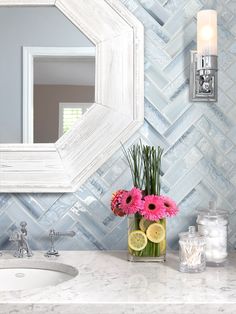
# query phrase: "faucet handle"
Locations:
[[52, 235], [71, 233], [65, 234], [14, 236]]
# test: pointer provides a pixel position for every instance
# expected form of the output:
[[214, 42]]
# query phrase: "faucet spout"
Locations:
[[20, 237]]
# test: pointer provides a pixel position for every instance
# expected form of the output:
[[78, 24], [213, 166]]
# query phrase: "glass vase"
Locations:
[[146, 239]]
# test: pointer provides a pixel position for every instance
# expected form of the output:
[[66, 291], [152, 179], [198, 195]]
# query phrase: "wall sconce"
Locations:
[[203, 67]]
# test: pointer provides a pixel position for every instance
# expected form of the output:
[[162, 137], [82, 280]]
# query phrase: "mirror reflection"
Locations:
[[63, 92], [42, 97]]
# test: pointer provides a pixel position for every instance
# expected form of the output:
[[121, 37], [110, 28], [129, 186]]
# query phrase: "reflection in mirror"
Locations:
[[41, 27], [63, 92]]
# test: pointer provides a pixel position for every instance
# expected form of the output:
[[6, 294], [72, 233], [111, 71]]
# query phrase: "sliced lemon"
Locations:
[[137, 240], [144, 224], [155, 233]]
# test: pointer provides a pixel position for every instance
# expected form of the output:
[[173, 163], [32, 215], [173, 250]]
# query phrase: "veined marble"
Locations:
[[108, 283]]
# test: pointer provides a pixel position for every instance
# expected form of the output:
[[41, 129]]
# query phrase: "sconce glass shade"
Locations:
[[207, 33]]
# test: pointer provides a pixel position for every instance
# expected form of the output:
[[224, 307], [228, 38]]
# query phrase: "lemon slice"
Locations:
[[137, 240], [155, 233], [144, 224]]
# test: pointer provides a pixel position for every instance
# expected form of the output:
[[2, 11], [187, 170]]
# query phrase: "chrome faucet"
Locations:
[[20, 237], [52, 235]]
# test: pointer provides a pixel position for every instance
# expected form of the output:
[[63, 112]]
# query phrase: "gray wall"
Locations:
[[28, 26], [199, 140]]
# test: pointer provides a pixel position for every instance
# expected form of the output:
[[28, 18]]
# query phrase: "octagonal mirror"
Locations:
[[72, 90]]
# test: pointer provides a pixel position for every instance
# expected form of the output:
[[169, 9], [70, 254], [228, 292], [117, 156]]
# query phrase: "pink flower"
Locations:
[[171, 208], [153, 208], [116, 203], [131, 201]]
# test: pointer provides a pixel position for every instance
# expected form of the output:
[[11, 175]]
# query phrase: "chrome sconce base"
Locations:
[[203, 78]]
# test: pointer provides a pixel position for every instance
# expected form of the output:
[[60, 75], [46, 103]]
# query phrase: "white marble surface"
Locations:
[[108, 283]]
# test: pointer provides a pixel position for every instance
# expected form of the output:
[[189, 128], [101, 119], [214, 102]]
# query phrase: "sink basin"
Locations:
[[25, 274]]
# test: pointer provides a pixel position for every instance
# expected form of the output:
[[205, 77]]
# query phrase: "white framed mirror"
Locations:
[[115, 114]]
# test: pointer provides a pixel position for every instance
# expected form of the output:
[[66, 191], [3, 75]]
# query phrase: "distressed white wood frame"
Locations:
[[118, 111], [29, 53]]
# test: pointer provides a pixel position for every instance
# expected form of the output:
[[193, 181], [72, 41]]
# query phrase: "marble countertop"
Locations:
[[108, 283]]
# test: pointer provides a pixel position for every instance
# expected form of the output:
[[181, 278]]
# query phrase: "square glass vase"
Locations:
[[146, 239]]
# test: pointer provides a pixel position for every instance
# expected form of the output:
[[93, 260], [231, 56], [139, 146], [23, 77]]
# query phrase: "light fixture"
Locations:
[[203, 68]]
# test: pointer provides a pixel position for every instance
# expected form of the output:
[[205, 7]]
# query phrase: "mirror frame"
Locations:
[[117, 113]]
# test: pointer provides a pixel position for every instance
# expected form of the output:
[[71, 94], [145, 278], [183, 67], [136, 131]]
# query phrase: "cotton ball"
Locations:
[[218, 255]]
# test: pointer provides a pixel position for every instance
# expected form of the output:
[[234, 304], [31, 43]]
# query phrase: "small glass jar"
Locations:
[[213, 224], [192, 251]]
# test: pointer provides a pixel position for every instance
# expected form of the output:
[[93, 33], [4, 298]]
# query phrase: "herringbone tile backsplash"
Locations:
[[199, 140]]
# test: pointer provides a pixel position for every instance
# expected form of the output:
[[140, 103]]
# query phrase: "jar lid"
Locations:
[[212, 212], [191, 235]]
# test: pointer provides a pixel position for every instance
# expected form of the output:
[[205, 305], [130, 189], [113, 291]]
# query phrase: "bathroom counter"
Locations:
[[107, 283]]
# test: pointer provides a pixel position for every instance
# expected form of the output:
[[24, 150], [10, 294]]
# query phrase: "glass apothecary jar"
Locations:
[[192, 251], [213, 224]]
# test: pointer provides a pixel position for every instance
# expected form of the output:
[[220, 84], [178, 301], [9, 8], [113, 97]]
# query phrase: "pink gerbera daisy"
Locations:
[[131, 201], [116, 203], [153, 208], [171, 208]]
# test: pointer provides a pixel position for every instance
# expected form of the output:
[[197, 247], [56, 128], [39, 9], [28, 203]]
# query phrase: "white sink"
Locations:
[[26, 274]]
